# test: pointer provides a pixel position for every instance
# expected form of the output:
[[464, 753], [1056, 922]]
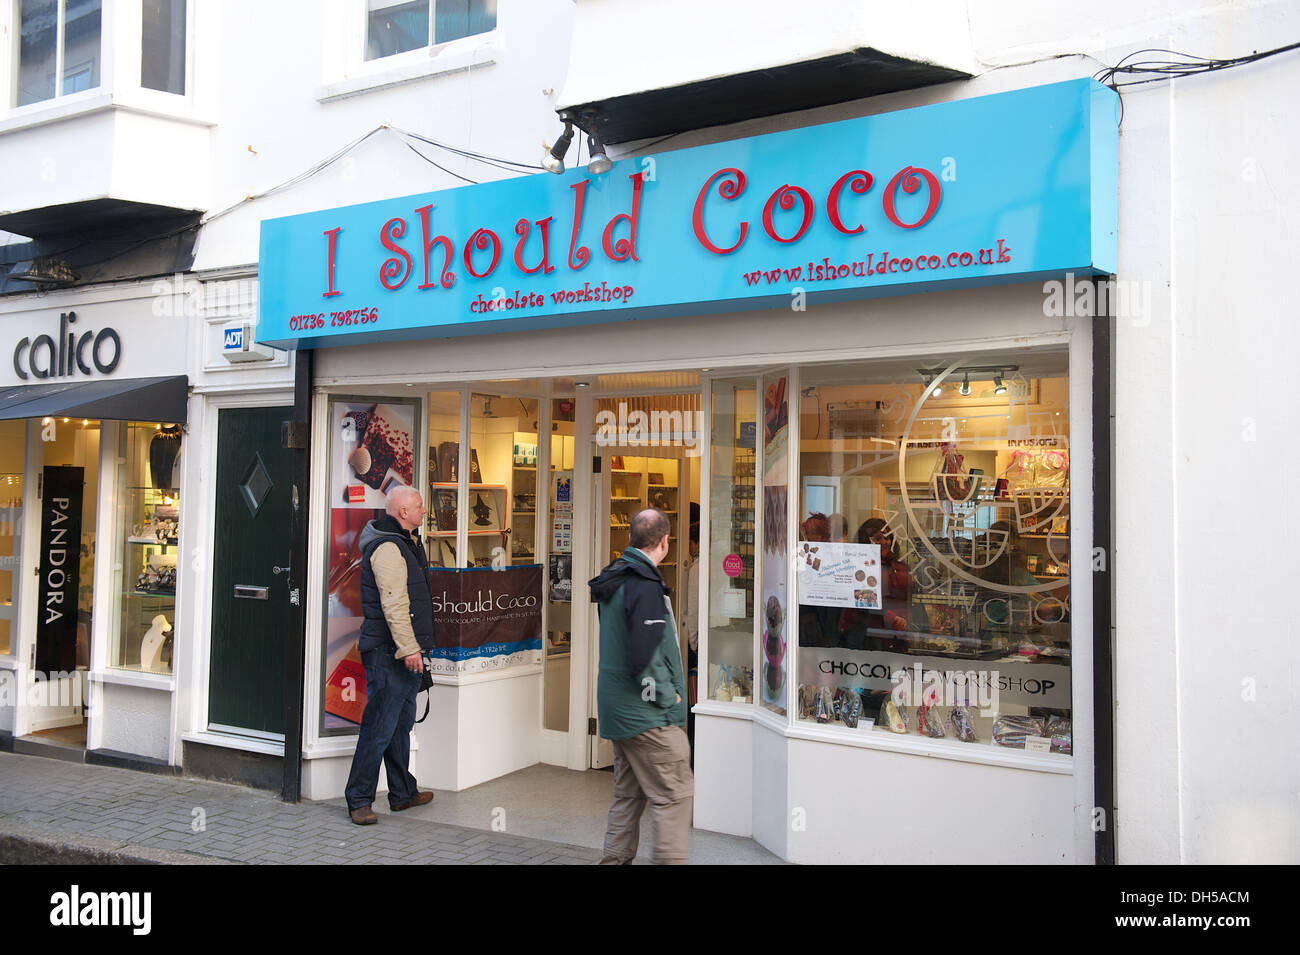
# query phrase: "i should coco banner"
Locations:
[[1009, 187], [486, 618]]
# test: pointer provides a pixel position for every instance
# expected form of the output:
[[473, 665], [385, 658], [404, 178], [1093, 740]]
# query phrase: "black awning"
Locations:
[[119, 399]]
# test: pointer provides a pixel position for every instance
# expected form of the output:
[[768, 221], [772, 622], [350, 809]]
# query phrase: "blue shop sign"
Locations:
[[1010, 187]]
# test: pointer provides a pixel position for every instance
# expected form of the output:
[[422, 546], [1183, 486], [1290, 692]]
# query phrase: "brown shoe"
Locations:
[[419, 799], [363, 816]]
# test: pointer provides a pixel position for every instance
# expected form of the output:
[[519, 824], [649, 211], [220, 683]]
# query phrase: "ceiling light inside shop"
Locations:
[[1000, 387], [582, 384], [964, 390]]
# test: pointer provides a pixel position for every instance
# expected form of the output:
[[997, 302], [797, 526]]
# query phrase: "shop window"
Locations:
[[149, 498], [13, 454], [162, 46], [731, 541], [399, 26], [444, 474], [932, 554], [557, 544], [501, 513], [58, 48]]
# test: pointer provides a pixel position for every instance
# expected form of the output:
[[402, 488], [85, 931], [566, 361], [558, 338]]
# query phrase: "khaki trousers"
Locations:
[[654, 766]]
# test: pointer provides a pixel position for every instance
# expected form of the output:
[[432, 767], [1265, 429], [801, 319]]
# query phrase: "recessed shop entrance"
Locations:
[[631, 478], [68, 489]]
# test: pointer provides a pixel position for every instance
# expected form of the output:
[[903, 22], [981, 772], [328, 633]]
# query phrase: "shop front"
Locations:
[[93, 409], [824, 354]]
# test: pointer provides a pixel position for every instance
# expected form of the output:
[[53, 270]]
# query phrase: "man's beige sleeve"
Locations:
[[389, 566]]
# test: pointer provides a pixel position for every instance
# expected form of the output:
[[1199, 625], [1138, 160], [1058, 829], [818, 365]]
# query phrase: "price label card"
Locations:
[[1038, 744]]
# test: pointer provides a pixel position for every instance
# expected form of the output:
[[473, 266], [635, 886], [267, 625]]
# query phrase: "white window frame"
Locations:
[[11, 20], [346, 71], [121, 42]]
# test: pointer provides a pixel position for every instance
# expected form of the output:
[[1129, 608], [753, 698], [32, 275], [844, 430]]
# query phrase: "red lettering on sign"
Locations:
[[329, 265], [625, 249], [859, 181], [400, 264], [480, 240], [784, 197], [522, 228], [730, 188], [908, 177], [448, 250], [578, 260]]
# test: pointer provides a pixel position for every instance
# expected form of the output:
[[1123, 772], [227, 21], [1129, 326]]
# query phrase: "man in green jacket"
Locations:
[[640, 699]]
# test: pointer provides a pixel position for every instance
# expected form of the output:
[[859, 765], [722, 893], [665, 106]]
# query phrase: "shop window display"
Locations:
[[13, 452], [932, 558], [149, 496], [557, 545], [502, 506], [731, 544]]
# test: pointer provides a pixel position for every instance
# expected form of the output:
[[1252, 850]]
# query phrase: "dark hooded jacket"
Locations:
[[641, 683]]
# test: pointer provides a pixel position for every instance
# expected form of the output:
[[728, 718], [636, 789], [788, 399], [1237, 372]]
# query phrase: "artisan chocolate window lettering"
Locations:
[[61, 357]]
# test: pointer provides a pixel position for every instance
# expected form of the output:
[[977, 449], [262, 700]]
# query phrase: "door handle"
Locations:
[[279, 570], [251, 592]]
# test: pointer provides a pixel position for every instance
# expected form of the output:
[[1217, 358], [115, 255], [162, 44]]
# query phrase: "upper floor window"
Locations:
[[162, 46], [59, 48], [398, 26]]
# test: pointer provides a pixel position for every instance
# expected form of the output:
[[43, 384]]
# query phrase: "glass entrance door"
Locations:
[[631, 479]]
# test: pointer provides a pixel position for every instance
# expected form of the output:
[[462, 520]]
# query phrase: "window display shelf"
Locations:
[[165, 542], [170, 594], [470, 533]]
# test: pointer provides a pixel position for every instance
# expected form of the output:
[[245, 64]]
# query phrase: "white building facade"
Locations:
[[1154, 428]]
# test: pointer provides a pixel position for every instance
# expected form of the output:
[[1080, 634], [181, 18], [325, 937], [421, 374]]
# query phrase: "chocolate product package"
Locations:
[[1059, 729], [962, 725], [929, 723], [850, 706], [892, 718], [1012, 730], [824, 708]]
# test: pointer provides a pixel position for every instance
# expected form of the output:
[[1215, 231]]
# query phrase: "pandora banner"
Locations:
[[486, 618]]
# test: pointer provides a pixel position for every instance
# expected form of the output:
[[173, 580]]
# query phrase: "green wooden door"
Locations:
[[250, 580]]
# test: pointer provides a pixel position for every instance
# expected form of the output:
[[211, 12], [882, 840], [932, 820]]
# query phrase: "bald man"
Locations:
[[398, 625]]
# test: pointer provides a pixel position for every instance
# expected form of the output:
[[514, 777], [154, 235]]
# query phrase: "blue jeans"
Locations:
[[385, 735]]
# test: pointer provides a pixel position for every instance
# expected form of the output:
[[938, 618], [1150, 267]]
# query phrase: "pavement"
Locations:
[[57, 811]]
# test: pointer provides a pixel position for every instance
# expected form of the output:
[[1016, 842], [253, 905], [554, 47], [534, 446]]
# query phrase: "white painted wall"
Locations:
[[1205, 458], [134, 720]]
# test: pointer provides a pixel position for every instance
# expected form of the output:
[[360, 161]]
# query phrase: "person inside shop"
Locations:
[[895, 588], [818, 626], [838, 527], [396, 628]]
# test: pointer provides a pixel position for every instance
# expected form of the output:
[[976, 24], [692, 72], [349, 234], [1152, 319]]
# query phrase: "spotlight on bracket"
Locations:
[[599, 161], [553, 161]]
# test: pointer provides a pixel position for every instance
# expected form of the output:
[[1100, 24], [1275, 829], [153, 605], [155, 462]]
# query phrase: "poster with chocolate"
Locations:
[[838, 574], [776, 499], [372, 450]]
